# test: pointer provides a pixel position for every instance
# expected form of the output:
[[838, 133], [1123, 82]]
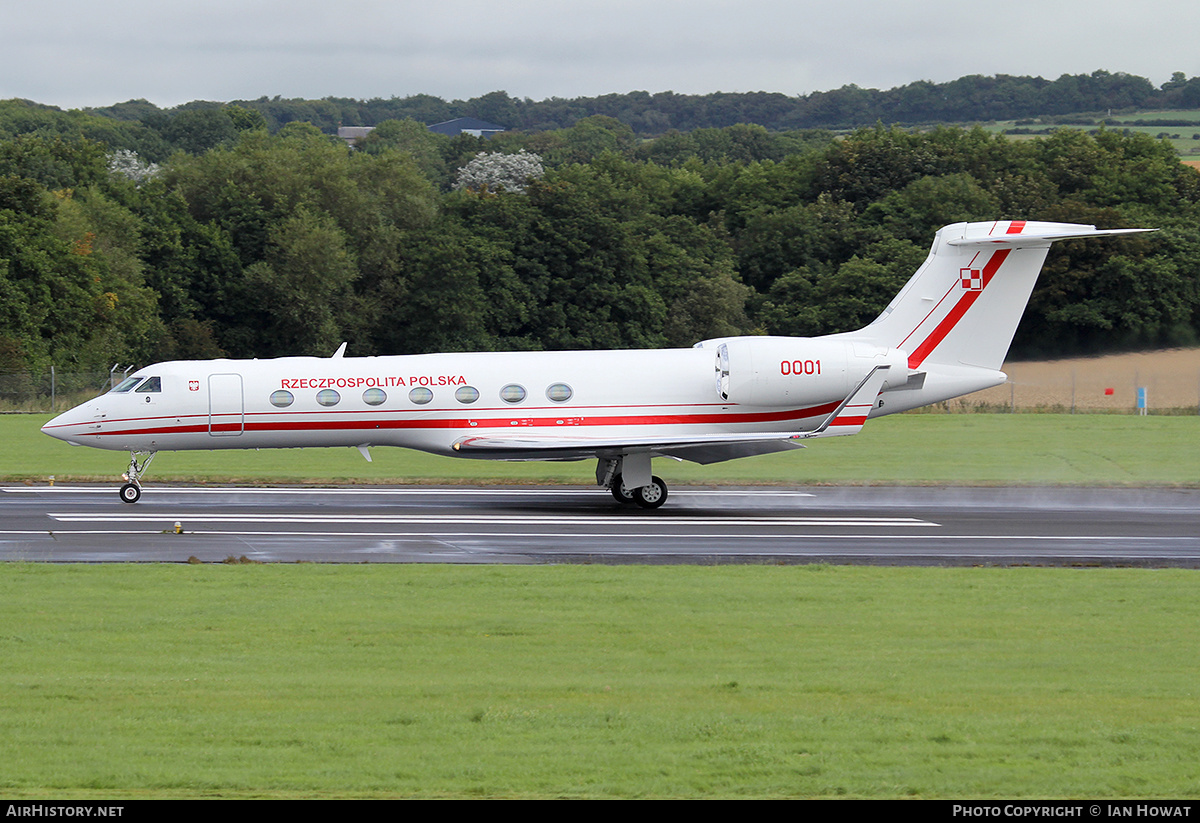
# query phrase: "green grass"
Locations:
[[1180, 137], [967, 449], [1192, 115], [583, 681], [587, 681]]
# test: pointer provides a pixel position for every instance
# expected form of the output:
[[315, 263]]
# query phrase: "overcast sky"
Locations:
[[72, 53]]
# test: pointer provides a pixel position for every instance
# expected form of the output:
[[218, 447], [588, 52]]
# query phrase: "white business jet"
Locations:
[[944, 335]]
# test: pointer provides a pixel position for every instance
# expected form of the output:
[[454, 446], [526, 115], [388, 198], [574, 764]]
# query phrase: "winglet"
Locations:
[[341, 350], [849, 417]]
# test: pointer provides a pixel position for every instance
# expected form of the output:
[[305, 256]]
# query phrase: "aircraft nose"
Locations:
[[54, 428], [66, 426]]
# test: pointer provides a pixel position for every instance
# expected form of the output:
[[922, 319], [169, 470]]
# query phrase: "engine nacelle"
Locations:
[[798, 371]]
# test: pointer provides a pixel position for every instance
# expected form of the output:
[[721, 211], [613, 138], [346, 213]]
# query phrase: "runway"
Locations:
[[878, 525]]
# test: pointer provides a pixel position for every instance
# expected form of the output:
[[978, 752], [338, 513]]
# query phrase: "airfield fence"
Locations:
[[53, 391], [1104, 385]]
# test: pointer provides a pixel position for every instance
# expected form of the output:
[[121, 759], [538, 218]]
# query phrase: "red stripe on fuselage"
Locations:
[[577, 417]]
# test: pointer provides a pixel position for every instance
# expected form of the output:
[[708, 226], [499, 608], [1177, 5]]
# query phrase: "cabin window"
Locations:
[[281, 398], [152, 384], [328, 397], [420, 395], [466, 394], [559, 392], [127, 384], [512, 393], [374, 397]]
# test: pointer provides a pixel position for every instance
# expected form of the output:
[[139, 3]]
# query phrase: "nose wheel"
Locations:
[[130, 493]]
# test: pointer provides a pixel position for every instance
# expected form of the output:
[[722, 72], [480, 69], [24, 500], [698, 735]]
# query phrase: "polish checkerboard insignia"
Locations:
[[972, 279]]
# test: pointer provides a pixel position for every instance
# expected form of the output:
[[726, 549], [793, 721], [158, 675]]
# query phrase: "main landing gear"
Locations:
[[131, 492], [649, 495]]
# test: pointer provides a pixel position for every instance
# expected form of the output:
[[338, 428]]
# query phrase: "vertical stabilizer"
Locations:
[[963, 305]]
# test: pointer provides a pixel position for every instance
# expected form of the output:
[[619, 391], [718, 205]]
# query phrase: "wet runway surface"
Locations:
[[880, 525]]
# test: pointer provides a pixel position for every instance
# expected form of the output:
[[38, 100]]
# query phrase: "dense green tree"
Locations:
[[932, 202], [264, 192], [819, 235], [301, 294], [198, 130], [459, 294], [292, 242], [24, 118], [71, 287], [812, 300], [425, 147], [55, 163], [244, 119]]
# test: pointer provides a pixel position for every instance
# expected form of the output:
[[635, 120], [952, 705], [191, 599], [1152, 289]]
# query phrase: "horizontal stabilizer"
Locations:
[[1029, 233]]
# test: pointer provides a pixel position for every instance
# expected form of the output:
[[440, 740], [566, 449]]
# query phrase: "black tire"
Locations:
[[130, 493], [619, 494], [653, 495]]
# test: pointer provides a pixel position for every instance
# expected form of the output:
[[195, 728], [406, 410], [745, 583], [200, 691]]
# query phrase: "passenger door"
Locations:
[[226, 411]]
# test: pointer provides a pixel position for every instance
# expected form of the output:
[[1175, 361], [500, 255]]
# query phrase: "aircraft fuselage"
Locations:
[[430, 401]]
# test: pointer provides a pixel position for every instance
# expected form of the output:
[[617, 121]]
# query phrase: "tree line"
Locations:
[[199, 125], [973, 98], [270, 244]]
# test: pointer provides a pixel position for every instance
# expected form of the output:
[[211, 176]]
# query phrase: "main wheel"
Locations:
[[653, 495], [619, 492], [130, 493]]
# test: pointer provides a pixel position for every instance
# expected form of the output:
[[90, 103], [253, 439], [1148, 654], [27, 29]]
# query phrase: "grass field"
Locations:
[[127, 681], [299, 681], [962, 449], [1108, 383], [1182, 138]]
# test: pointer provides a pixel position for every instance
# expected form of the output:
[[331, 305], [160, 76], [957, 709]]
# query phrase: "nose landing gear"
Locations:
[[131, 492]]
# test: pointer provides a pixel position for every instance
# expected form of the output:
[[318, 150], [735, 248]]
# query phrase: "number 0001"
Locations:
[[800, 367]]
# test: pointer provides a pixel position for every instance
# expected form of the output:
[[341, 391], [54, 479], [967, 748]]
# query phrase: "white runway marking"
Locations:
[[658, 536], [556, 520]]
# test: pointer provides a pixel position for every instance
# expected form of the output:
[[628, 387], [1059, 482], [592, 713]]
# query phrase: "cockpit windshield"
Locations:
[[151, 384], [127, 384]]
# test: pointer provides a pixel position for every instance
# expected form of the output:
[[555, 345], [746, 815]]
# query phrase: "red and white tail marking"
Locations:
[[968, 290], [962, 306]]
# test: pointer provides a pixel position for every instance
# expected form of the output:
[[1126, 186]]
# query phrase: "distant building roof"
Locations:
[[469, 125], [352, 133]]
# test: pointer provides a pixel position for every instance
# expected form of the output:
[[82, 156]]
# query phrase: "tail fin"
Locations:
[[963, 305]]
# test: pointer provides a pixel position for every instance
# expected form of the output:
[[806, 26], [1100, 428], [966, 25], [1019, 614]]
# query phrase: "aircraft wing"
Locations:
[[848, 418]]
